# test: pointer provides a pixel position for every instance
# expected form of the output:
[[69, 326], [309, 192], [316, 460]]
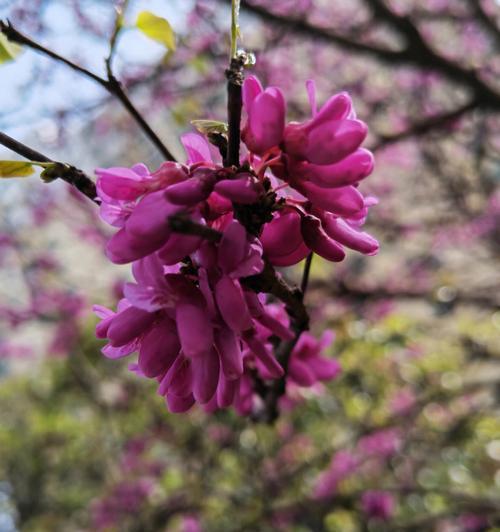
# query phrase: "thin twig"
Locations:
[[184, 225], [112, 85], [68, 173], [305, 274]]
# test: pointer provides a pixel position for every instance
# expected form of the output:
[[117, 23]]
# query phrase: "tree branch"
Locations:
[[234, 75], [341, 288], [485, 19], [68, 173], [112, 85], [416, 51], [421, 128]]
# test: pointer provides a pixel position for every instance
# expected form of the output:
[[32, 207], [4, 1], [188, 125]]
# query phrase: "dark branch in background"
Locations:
[[112, 85], [425, 126], [418, 52], [415, 51], [300, 26], [68, 173], [342, 289], [485, 19]]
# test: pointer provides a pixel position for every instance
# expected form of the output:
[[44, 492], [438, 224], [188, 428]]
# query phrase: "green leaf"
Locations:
[[8, 50], [15, 169], [156, 28], [210, 126]]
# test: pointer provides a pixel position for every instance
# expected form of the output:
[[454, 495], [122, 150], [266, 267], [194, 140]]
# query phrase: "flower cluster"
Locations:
[[194, 232]]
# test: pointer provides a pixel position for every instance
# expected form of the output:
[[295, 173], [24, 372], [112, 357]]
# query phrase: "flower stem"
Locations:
[[235, 28]]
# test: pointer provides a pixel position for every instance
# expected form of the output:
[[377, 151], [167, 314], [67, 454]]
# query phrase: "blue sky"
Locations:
[[32, 88]]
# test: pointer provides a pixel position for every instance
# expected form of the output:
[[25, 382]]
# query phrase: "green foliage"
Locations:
[[16, 169], [8, 50], [207, 127], [156, 28], [66, 431]]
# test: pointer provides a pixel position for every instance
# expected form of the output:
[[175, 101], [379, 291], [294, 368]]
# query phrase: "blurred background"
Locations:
[[408, 436]]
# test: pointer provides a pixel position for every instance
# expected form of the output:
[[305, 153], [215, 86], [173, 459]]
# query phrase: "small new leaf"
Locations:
[[52, 171], [15, 169], [207, 127], [8, 50], [156, 28]]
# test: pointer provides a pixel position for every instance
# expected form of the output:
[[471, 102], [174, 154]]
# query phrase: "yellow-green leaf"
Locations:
[[210, 126], [8, 50], [15, 169], [156, 28]]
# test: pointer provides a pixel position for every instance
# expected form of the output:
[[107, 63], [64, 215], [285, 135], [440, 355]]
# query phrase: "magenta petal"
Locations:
[[149, 220], [206, 290], [245, 190], [178, 379], [229, 349], [121, 183], [232, 247], [275, 326], [325, 369], [267, 359], [101, 330], [205, 376], [149, 271], [121, 248], [293, 258], [332, 141], [301, 373], [177, 247], [282, 236], [128, 325], [194, 328], [118, 352], [251, 89], [266, 120], [319, 242], [311, 94], [252, 264], [196, 147], [342, 232], [192, 190], [348, 171], [336, 108], [178, 405], [344, 201], [226, 391], [159, 349], [232, 305]]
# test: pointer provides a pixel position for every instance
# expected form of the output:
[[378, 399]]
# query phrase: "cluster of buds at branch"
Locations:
[[204, 240]]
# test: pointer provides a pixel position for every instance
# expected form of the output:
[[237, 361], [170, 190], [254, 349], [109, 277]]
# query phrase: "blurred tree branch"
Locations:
[[68, 173], [420, 128], [111, 84], [416, 50]]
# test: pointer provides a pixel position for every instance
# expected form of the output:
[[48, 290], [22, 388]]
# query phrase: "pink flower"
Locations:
[[378, 504], [199, 330], [343, 464], [383, 443], [330, 135], [307, 366], [266, 116]]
